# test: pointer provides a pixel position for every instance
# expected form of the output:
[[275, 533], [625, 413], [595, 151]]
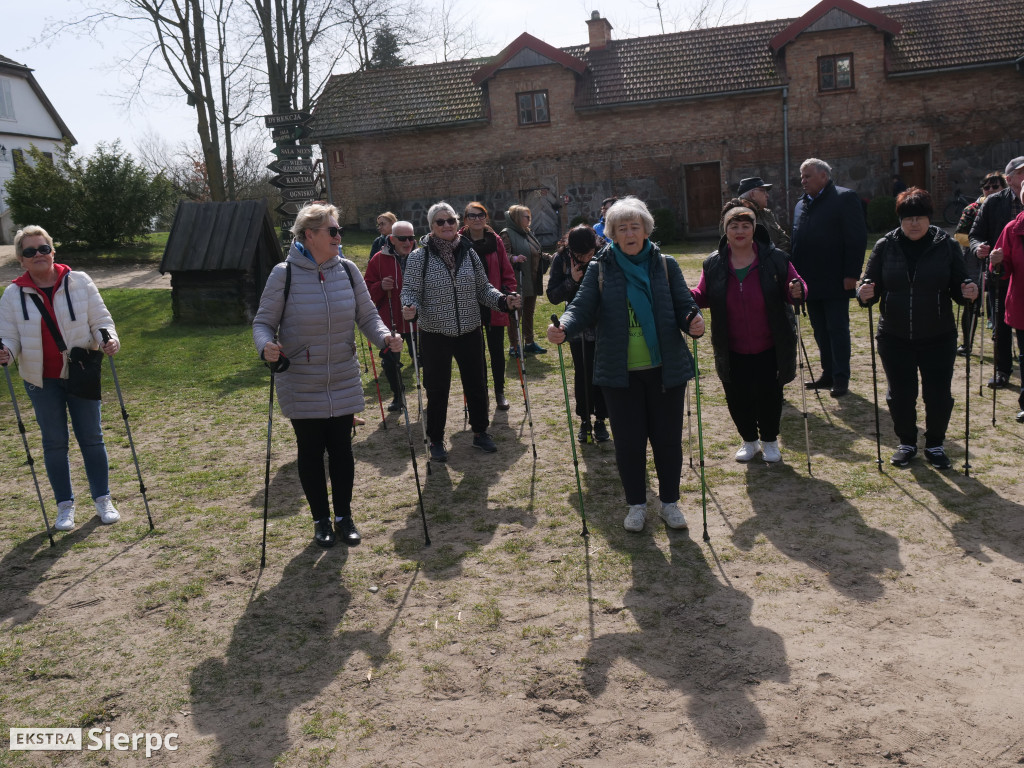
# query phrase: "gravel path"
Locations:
[[104, 277]]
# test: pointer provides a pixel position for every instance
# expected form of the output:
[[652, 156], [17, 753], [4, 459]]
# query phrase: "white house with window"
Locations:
[[26, 117]]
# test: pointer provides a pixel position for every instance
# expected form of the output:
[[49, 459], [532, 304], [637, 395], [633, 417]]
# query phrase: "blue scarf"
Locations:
[[638, 290]]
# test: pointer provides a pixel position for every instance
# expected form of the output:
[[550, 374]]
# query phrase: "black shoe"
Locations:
[[824, 382], [346, 531], [840, 388], [533, 348], [500, 402], [437, 452], [999, 381], [483, 441], [1020, 417], [323, 534], [937, 458], [903, 455], [962, 350], [395, 406], [584, 434], [601, 432]]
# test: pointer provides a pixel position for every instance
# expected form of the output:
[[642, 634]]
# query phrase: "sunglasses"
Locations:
[[404, 238], [476, 215], [28, 253], [442, 222], [333, 231], [992, 185]]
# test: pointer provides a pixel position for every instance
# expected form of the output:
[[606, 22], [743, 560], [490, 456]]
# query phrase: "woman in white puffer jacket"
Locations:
[[308, 313], [74, 303]]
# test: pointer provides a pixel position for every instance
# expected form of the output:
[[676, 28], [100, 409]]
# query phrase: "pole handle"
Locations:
[[554, 320]]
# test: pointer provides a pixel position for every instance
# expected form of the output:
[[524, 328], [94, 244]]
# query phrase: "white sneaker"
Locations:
[[748, 451], [672, 516], [65, 516], [105, 510], [770, 452], [636, 518]]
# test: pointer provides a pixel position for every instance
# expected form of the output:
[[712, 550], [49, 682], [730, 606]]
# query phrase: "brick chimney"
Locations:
[[600, 31]]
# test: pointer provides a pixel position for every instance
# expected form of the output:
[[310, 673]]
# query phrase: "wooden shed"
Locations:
[[219, 256]]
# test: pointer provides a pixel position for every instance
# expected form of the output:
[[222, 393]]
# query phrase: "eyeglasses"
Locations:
[[28, 253], [992, 185], [442, 222], [476, 215], [404, 238], [333, 231]]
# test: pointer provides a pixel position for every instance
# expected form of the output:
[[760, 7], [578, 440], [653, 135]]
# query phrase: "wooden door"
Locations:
[[913, 166], [543, 205], [703, 197]]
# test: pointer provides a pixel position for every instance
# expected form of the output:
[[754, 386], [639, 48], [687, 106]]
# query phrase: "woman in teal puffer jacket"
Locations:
[[638, 301]]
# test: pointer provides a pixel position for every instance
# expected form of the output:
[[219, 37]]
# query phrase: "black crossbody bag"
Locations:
[[85, 366]]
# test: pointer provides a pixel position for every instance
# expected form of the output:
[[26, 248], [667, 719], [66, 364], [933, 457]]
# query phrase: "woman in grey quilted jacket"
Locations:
[[306, 324], [444, 284]]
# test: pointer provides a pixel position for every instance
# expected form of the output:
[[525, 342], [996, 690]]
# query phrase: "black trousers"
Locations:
[[902, 360], [468, 351], [496, 349], [391, 363], [646, 412], [754, 395], [589, 399], [334, 437]]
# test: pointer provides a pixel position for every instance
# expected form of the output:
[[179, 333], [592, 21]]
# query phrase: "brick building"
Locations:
[[932, 91]]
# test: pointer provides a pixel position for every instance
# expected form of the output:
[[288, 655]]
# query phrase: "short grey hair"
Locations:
[[403, 224], [628, 209], [813, 162], [32, 230], [746, 195], [312, 216], [441, 207]]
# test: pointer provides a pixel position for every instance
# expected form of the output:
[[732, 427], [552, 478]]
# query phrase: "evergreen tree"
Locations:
[[387, 47]]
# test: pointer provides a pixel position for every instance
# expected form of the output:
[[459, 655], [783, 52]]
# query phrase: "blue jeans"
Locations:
[[52, 404], [830, 319]]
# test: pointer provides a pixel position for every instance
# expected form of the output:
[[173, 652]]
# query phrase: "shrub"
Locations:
[[103, 200], [881, 216]]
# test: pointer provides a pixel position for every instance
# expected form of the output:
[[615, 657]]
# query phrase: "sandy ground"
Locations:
[[841, 614]]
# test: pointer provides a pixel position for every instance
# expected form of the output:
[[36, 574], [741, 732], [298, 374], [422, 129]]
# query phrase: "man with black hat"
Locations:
[[755, 191], [998, 210]]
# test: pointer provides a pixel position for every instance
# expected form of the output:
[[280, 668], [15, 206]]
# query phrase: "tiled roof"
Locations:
[[393, 99], [11, 62], [934, 34], [955, 33]]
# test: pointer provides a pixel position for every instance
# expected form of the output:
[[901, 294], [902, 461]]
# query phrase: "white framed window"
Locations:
[[6, 102]]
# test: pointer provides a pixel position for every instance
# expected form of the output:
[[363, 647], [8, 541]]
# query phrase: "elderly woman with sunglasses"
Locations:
[[45, 315], [305, 327], [445, 282]]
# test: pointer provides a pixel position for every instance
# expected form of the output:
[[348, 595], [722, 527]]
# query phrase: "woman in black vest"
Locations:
[[749, 284], [913, 271]]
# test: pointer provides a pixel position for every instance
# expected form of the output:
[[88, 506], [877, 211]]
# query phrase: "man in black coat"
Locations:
[[829, 241], [998, 210]]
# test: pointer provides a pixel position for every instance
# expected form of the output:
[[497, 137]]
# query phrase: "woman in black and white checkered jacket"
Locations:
[[444, 283]]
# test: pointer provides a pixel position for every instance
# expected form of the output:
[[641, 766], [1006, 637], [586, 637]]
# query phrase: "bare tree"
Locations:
[[453, 34]]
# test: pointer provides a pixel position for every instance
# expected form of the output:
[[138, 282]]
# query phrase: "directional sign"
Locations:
[[292, 180], [290, 132], [300, 194], [287, 223], [289, 208], [294, 150], [286, 118], [292, 165]]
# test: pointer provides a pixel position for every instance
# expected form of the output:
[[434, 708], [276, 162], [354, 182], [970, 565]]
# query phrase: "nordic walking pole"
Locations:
[[376, 380], [874, 384], [28, 454], [572, 436], [408, 432], [803, 389], [997, 271], [419, 391], [972, 324], [124, 414], [522, 380], [803, 347], [700, 435], [984, 316], [689, 426]]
